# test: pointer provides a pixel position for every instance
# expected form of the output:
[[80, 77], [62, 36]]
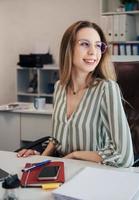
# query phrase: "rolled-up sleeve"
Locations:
[[117, 149]]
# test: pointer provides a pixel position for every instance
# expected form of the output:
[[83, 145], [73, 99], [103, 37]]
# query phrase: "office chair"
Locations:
[[38, 145]]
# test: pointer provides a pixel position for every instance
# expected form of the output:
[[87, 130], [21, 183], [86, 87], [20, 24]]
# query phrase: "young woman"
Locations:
[[89, 121]]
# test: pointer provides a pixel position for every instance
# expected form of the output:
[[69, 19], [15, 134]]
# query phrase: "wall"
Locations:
[[33, 26]]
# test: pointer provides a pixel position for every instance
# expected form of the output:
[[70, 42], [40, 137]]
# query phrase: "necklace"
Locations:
[[76, 92]]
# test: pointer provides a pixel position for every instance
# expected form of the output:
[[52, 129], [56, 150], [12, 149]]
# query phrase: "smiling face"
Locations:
[[87, 51], [84, 53]]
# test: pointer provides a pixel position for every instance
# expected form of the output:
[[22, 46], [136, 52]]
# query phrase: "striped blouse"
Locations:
[[98, 124]]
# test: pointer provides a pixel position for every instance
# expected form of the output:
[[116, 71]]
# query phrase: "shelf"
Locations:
[[114, 7], [27, 94], [45, 67], [121, 29], [34, 94], [46, 95], [135, 12], [44, 85], [126, 58], [125, 42], [49, 67]]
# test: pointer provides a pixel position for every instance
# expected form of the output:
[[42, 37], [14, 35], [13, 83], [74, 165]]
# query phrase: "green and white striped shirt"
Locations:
[[98, 124]]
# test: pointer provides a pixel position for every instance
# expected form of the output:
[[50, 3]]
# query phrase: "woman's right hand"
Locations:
[[27, 152]]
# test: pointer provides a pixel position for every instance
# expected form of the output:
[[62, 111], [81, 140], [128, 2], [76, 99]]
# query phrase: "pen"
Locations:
[[35, 165]]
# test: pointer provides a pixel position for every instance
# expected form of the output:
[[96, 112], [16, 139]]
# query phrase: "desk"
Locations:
[[12, 164]]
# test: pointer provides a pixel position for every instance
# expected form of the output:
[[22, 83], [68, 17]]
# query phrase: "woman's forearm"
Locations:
[[85, 155], [49, 149]]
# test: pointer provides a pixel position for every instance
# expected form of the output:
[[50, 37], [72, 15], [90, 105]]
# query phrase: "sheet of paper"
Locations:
[[96, 184]]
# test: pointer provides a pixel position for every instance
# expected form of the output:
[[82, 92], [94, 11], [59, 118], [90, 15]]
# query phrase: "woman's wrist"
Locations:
[[49, 149], [52, 146], [54, 141]]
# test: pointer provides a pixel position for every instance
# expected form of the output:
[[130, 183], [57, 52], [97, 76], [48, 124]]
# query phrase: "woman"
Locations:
[[89, 121]]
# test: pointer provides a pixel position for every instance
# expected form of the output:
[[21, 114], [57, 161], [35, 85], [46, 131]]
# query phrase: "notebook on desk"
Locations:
[[30, 178], [98, 184]]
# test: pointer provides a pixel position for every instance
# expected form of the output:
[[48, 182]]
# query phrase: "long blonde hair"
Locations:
[[105, 68]]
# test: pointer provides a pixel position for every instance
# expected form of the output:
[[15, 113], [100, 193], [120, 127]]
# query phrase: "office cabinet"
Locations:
[[24, 125], [35, 126], [9, 131]]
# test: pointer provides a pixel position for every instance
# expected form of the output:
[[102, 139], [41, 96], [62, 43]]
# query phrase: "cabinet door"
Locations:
[[35, 126], [9, 131]]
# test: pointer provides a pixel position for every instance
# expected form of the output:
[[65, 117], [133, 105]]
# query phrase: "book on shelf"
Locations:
[[115, 49], [128, 49], [122, 49], [30, 177], [135, 49]]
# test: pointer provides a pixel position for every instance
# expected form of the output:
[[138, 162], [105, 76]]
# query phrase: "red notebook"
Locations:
[[30, 178]]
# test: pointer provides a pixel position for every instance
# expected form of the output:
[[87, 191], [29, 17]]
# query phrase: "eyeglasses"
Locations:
[[99, 46]]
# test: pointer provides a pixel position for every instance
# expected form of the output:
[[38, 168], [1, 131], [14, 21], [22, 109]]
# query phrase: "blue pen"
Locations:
[[35, 165]]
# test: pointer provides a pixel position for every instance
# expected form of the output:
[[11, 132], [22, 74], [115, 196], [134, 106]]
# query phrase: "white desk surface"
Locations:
[[26, 108], [12, 164]]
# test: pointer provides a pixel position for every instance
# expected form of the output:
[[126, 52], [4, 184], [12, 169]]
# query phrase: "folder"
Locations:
[[30, 178], [98, 184], [116, 28], [107, 25], [110, 28], [127, 29]]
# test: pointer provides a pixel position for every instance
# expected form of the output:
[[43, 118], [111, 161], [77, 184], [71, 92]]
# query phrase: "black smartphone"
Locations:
[[3, 174], [49, 173]]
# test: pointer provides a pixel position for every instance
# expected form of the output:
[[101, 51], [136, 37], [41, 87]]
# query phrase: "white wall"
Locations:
[[27, 26]]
